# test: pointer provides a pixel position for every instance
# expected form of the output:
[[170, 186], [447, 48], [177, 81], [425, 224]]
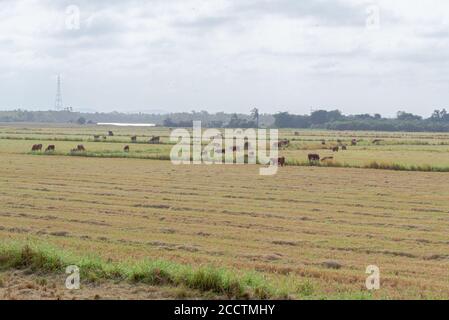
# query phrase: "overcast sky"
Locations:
[[226, 55]]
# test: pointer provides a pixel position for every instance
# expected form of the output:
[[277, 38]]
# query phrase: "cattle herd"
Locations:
[[312, 157]]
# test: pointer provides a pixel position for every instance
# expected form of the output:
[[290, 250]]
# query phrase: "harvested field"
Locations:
[[286, 227]]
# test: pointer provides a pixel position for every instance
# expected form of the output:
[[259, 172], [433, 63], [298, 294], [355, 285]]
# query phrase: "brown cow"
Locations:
[[126, 149], [323, 142], [343, 147], [354, 142], [278, 161], [313, 157], [154, 140], [335, 149], [134, 139], [51, 147], [36, 147], [283, 143], [80, 147]]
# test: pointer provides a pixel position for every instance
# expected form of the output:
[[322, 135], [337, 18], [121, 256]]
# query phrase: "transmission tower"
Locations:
[[58, 100]]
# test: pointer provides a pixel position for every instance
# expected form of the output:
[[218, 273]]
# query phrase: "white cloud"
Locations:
[[226, 55]]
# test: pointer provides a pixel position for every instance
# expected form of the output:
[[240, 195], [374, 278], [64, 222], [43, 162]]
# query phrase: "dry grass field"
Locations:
[[305, 233]]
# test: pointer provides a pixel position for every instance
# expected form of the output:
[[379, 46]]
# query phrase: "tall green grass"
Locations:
[[233, 284]]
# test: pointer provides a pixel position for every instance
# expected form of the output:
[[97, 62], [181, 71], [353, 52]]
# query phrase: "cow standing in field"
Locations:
[[343, 147], [80, 148], [126, 149], [335, 149], [111, 134], [278, 161], [155, 140], [354, 142], [51, 147], [134, 139], [313, 157], [36, 147]]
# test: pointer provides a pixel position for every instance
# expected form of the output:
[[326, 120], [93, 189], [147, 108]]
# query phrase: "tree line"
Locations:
[[438, 121]]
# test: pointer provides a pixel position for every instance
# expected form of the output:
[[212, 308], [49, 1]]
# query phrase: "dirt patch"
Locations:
[[21, 285]]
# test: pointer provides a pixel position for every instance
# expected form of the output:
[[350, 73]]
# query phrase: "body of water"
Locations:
[[126, 124]]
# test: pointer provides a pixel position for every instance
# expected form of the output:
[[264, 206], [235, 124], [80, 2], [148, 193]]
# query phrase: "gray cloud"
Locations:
[[226, 55]]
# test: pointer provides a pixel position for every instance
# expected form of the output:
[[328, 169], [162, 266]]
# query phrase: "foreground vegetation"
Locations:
[[307, 232], [218, 281]]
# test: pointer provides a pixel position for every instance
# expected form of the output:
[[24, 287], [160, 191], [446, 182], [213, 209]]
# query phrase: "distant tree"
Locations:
[[255, 116], [404, 116], [81, 120]]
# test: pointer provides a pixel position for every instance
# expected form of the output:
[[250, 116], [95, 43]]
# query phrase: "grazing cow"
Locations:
[[323, 142], [155, 140], [354, 142], [283, 143], [96, 137], [278, 161], [343, 147], [51, 147], [36, 147], [335, 149], [80, 148], [313, 157], [126, 149], [327, 158], [134, 139], [110, 133]]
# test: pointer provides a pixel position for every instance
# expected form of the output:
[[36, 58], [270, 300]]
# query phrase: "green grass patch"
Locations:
[[205, 279]]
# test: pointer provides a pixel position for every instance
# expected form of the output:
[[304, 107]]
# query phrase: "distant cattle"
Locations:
[[110, 133], [335, 149], [80, 147], [36, 147], [313, 157], [134, 139], [126, 149], [278, 161], [154, 140], [96, 137], [327, 159], [323, 142], [354, 142], [51, 147], [283, 143], [343, 147]]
